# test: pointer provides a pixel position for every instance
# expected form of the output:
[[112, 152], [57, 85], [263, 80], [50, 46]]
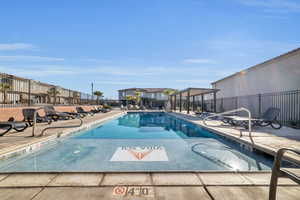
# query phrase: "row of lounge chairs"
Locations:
[[269, 118], [50, 116]]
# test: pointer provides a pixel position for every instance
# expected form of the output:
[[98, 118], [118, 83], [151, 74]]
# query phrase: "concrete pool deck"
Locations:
[[148, 186], [265, 139], [21, 141]]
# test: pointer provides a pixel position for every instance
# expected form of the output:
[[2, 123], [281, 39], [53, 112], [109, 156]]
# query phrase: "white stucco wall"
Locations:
[[282, 74]]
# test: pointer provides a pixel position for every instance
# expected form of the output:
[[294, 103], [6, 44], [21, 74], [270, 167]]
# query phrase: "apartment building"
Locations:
[[151, 97], [16, 90], [279, 74], [273, 83]]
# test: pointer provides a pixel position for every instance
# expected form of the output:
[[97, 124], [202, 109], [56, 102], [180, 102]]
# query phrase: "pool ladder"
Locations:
[[52, 127], [233, 111]]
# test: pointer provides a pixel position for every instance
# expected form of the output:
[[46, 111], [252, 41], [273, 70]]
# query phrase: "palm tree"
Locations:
[[53, 92], [98, 94], [169, 92], [5, 87], [129, 98], [137, 97]]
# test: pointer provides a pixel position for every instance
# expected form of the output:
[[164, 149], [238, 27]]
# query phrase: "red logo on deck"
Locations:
[[119, 191], [139, 155]]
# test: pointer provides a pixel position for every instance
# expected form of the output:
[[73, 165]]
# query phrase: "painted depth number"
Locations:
[[133, 191]]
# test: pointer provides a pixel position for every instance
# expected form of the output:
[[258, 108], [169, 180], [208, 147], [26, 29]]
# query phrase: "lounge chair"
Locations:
[[268, 118], [100, 109], [28, 114], [123, 107], [203, 114], [51, 113], [73, 115], [81, 111], [11, 124], [96, 109], [104, 109]]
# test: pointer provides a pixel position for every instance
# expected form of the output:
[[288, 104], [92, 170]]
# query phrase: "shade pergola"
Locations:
[[192, 92]]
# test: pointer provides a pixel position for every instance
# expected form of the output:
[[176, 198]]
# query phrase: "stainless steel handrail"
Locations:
[[53, 127], [277, 172], [232, 111], [34, 120]]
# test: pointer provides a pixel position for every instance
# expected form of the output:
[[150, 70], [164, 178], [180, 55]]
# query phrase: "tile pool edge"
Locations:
[[40, 142]]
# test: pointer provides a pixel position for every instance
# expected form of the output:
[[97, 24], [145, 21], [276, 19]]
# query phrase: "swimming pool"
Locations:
[[140, 142]]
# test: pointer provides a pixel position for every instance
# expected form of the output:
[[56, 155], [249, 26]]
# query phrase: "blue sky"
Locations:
[[142, 43]]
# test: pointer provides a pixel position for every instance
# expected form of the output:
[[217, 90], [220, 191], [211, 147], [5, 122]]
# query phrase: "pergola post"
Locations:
[[180, 101], [170, 101], [175, 102], [193, 103], [215, 102], [188, 102], [202, 102]]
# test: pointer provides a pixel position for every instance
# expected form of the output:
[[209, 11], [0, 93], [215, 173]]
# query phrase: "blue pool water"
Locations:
[[141, 142]]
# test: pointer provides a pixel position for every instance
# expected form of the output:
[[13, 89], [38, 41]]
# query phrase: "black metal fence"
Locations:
[[16, 91], [288, 102]]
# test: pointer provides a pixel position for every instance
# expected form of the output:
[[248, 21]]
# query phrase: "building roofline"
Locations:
[[145, 89], [131, 89], [285, 55]]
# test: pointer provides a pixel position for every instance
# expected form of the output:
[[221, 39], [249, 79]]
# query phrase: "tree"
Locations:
[[130, 99], [169, 92], [5, 87], [137, 96], [53, 92], [98, 94]]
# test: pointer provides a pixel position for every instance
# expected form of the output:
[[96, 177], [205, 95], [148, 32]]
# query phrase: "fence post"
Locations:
[[29, 92], [259, 105], [180, 102], [54, 102], [215, 102], [222, 106], [188, 102], [202, 103], [69, 97], [79, 98]]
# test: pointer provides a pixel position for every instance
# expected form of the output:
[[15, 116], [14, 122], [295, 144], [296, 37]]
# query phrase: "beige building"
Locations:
[[273, 83], [276, 75], [16, 91]]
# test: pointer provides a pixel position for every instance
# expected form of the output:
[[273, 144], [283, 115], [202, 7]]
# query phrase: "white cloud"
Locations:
[[16, 46], [118, 82], [199, 61], [279, 6], [202, 81], [48, 70], [37, 71], [29, 58], [121, 71]]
